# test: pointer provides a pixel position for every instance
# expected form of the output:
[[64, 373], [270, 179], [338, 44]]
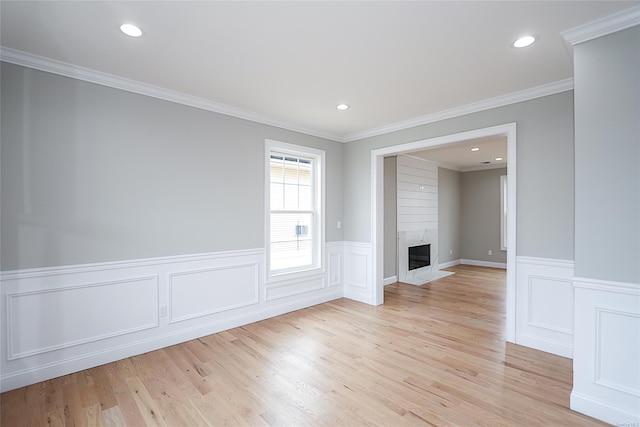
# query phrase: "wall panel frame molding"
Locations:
[[607, 350], [65, 319], [544, 296]]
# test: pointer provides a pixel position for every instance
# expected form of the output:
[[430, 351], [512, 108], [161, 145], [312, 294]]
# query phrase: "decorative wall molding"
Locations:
[[608, 25], [358, 283], [335, 255], [198, 293], [606, 286], [544, 297], [499, 101], [92, 76], [606, 350], [35, 324], [479, 263], [65, 319], [293, 287]]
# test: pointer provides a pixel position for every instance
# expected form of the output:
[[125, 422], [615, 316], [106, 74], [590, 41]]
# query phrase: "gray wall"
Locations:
[[449, 215], [481, 215], [607, 157], [95, 174], [544, 171], [390, 217]]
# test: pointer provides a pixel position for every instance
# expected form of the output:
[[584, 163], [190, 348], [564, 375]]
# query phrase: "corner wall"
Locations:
[[607, 227]]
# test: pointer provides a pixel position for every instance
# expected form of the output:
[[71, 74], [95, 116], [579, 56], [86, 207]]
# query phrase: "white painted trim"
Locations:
[[377, 208], [252, 301], [319, 182], [607, 286], [450, 264], [113, 265], [545, 344], [598, 409], [34, 374], [549, 262], [62, 356], [499, 101], [545, 304], [479, 263], [390, 280], [92, 76], [593, 393], [601, 27]]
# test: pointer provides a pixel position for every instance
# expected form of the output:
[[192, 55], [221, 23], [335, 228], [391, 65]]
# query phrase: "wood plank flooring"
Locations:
[[431, 355]]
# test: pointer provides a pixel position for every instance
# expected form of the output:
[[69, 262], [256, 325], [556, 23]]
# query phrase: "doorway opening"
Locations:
[[377, 204]]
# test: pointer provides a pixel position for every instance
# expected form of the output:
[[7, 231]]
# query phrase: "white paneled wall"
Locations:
[[417, 194], [606, 360], [544, 298], [358, 283], [65, 319]]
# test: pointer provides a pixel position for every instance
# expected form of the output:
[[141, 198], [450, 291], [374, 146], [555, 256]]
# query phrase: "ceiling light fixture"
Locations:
[[498, 159], [475, 149], [342, 107], [131, 30], [525, 41]]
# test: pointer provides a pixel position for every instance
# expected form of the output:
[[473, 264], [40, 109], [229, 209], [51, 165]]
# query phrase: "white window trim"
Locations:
[[503, 213], [319, 176]]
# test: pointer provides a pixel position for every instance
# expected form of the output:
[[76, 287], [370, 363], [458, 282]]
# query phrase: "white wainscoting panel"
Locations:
[[288, 288], [544, 299], [44, 320], [335, 255], [606, 360], [358, 284], [202, 292], [64, 319]]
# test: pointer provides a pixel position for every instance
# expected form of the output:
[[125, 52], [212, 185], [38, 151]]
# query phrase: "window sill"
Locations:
[[293, 275]]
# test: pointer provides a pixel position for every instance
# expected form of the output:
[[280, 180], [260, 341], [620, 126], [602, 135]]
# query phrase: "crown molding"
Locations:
[[92, 76], [601, 27], [500, 101]]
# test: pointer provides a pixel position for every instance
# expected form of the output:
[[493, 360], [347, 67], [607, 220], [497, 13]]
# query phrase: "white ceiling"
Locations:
[[293, 62], [459, 156]]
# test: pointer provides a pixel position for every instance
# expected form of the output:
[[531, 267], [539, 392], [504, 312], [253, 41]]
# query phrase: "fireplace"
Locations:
[[419, 256]]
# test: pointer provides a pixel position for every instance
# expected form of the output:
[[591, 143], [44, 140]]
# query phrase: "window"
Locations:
[[294, 187]]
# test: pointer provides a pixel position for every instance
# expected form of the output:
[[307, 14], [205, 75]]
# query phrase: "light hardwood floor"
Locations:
[[431, 355]]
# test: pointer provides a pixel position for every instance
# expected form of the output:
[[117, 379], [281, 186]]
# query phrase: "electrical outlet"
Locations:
[[163, 311], [489, 252], [450, 251], [339, 225]]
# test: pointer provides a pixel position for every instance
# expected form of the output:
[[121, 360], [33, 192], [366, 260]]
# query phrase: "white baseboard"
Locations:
[[449, 264], [546, 345], [603, 411], [390, 280], [502, 265]]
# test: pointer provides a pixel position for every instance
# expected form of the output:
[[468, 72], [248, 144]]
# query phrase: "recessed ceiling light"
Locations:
[[131, 30], [475, 149], [498, 159], [342, 107], [525, 41]]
